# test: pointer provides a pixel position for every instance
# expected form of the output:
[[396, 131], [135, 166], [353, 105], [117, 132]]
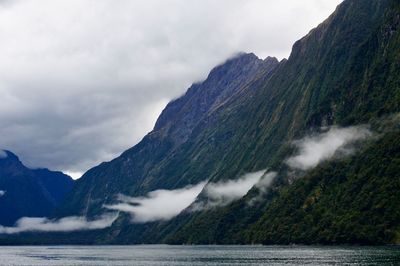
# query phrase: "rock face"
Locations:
[[27, 192], [243, 118], [182, 115]]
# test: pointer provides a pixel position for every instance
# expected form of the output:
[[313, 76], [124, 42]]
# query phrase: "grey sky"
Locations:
[[83, 80]]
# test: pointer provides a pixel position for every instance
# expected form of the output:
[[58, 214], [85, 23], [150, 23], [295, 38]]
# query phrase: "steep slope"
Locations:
[[27, 192], [349, 201], [353, 200], [147, 166], [344, 72]]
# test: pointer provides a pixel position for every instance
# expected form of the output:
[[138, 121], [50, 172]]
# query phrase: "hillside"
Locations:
[[151, 164], [345, 72], [29, 192], [245, 118]]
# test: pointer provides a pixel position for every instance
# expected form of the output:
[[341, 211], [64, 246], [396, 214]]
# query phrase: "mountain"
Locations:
[[245, 118], [152, 163], [344, 72], [29, 192]]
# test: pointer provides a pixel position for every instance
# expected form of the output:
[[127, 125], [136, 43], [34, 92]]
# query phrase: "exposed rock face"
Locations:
[[182, 115], [27, 192]]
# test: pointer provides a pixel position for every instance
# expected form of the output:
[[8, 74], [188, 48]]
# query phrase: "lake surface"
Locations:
[[159, 255]]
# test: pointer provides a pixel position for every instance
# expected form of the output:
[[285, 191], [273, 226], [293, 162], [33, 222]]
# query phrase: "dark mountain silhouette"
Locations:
[[29, 192]]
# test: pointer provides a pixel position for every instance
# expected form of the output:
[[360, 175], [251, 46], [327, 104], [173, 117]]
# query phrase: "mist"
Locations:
[[224, 192], [315, 149], [159, 204], [67, 224], [163, 205]]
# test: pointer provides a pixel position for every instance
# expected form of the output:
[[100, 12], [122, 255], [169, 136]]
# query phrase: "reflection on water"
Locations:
[[158, 255]]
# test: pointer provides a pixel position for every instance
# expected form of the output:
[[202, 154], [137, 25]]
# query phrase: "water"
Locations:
[[158, 255]]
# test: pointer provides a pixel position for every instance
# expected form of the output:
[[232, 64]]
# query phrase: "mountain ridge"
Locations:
[[343, 73], [254, 128], [29, 192], [168, 138]]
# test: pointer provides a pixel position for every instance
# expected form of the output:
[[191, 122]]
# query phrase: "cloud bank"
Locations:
[[159, 204], [166, 204], [313, 150], [67, 224], [162, 205], [81, 81]]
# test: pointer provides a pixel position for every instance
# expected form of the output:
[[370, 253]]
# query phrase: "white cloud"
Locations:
[[81, 81], [262, 186], [225, 192], [313, 150], [158, 205], [2, 193], [163, 204], [67, 224], [74, 175], [266, 180]]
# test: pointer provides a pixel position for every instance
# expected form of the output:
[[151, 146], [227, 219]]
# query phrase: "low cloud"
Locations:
[[162, 205], [67, 224], [2, 193], [313, 150], [225, 192], [74, 175], [262, 186], [265, 181], [159, 204]]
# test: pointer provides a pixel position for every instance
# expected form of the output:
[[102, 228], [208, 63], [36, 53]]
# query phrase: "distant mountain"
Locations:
[[244, 118], [29, 192]]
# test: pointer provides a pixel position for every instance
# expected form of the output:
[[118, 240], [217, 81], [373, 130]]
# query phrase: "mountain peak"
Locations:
[[223, 81], [244, 55], [6, 155], [271, 60], [30, 192]]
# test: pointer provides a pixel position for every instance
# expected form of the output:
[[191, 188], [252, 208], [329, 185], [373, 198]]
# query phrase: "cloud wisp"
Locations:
[[66, 224], [266, 181], [159, 204], [262, 187], [225, 192], [315, 149], [162, 205]]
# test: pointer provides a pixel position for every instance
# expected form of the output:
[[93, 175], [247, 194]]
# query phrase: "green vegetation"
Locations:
[[344, 72], [354, 200]]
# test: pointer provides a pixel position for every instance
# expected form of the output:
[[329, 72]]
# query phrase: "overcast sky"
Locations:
[[83, 80]]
